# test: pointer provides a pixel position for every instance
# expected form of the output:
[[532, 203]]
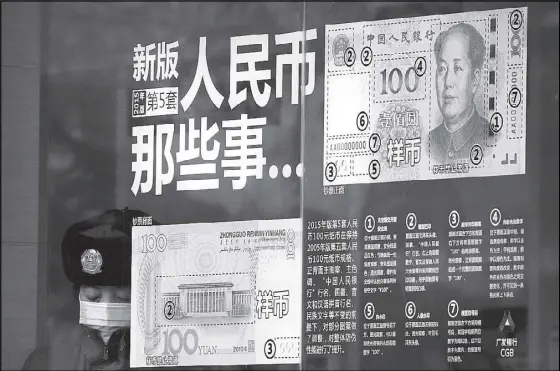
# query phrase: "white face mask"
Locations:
[[105, 314]]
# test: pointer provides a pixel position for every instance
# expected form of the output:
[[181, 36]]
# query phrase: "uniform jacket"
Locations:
[[78, 347]]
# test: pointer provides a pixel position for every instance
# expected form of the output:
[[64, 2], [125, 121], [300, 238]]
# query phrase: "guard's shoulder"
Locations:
[[37, 360], [66, 331], [62, 351]]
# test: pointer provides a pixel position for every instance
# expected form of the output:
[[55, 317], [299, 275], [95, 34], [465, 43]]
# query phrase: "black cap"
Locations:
[[97, 251]]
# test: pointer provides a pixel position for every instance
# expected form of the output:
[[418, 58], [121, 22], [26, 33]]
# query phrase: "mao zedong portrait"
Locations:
[[459, 54]]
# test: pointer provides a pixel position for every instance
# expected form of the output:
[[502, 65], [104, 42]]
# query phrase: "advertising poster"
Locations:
[[421, 192], [190, 114]]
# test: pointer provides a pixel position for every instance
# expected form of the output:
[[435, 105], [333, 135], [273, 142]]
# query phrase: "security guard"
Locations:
[[96, 256]]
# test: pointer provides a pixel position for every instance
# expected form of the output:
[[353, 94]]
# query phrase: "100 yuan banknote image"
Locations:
[[216, 294], [434, 97]]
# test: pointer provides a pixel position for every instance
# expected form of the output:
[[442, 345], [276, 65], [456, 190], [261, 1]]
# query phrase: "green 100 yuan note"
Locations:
[[433, 97]]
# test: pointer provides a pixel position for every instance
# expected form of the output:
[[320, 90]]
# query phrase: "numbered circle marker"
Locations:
[[370, 223], [410, 310], [516, 20], [291, 248], [514, 97], [454, 219], [291, 235], [496, 122], [452, 309], [495, 217], [476, 154], [411, 221], [420, 66], [366, 56], [169, 310], [270, 349], [369, 311], [349, 56], [374, 169], [374, 142], [330, 171], [362, 121]]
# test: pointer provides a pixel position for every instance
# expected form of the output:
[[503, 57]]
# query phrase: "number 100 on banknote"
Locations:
[[433, 97]]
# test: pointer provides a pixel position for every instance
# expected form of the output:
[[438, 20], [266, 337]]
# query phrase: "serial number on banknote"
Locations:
[[241, 349]]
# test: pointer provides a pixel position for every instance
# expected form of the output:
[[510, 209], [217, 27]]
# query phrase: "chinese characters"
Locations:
[[163, 64], [243, 155], [196, 149], [273, 303]]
